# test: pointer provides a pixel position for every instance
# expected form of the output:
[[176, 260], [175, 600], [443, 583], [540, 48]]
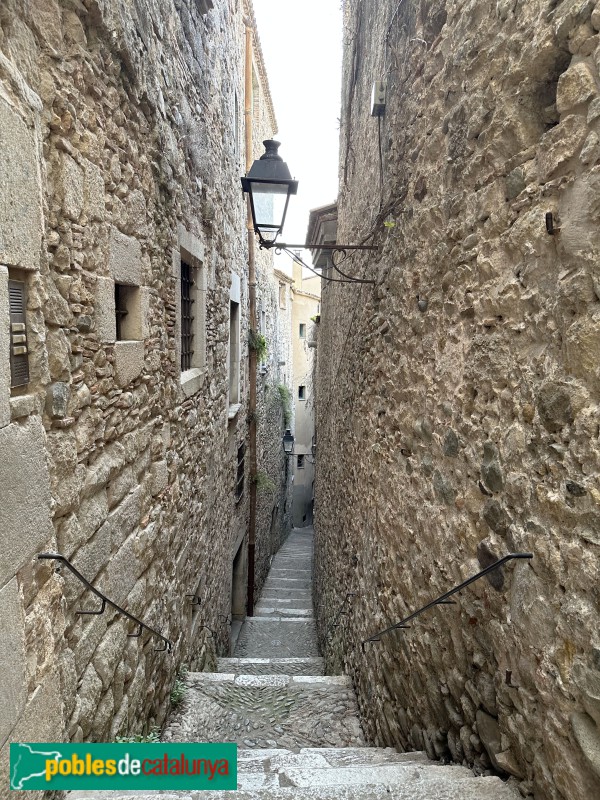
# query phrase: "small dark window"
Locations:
[[128, 321], [239, 484], [187, 316], [302, 393], [302, 330], [120, 309], [300, 462], [19, 362]]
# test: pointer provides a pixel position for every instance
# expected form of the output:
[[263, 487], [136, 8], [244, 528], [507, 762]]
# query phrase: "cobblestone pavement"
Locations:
[[273, 694], [269, 711], [277, 638]]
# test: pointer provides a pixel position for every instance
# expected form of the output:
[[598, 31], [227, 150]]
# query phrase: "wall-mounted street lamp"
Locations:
[[269, 185], [288, 442]]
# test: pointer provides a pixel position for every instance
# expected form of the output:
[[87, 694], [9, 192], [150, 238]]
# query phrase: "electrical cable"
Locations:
[[295, 257]]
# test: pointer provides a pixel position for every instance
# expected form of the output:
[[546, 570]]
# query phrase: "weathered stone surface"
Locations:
[[70, 187], [588, 738], [25, 522], [13, 675], [560, 145], [20, 203], [105, 309], [554, 406], [125, 258], [575, 87], [129, 361], [40, 721], [131, 179], [505, 355]]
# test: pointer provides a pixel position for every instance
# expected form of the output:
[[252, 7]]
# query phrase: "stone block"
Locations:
[[23, 405], [45, 16], [70, 187], [95, 204], [57, 399], [4, 350], [588, 739], [90, 691], [125, 258], [160, 476], [41, 721], [582, 348], [13, 674], [129, 361], [25, 518], [145, 310], [123, 520], [104, 309], [59, 354], [110, 651], [20, 199], [559, 145], [575, 86], [56, 308], [120, 486]]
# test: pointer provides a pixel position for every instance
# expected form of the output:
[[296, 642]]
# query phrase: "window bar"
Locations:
[[187, 318]]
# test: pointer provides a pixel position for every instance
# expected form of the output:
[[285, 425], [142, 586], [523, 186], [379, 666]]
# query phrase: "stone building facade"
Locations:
[[306, 304], [124, 304], [458, 394]]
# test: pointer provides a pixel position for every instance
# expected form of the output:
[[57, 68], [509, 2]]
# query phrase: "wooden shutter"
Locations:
[[19, 359]]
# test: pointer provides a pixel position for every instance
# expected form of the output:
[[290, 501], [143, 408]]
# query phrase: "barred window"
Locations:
[[187, 316]]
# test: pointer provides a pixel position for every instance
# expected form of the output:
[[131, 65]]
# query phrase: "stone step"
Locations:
[[287, 583], [287, 593], [325, 757], [265, 611], [409, 783], [262, 637], [272, 666], [300, 568], [273, 711], [285, 602]]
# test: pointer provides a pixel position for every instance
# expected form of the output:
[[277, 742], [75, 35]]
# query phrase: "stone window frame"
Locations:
[[300, 461], [302, 330], [191, 251], [125, 269], [302, 392], [234, 348]]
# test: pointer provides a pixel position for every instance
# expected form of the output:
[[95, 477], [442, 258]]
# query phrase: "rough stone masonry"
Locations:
[[121, 147], [458, 405]]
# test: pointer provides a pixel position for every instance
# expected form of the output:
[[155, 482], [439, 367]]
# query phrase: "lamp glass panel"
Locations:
[[269, 203]]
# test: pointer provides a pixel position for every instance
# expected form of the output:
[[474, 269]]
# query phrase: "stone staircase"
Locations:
[[298, 730]]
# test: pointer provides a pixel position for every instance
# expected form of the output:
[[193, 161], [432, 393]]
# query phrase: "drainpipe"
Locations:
[[252, 365]]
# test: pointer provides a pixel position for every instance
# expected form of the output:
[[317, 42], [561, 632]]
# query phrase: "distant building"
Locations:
[[306, 304]]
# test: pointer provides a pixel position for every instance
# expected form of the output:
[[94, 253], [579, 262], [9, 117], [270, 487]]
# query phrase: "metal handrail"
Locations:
[[443, 599], [141, 625], [341, 612]]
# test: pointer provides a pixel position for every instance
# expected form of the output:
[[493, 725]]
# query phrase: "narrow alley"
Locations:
[[297, 730]]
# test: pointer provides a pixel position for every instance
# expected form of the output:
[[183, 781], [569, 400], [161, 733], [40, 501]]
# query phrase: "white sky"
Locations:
[[301, 42]]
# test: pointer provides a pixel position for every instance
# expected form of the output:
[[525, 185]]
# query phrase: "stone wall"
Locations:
[[458, 396], [121, 147]]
